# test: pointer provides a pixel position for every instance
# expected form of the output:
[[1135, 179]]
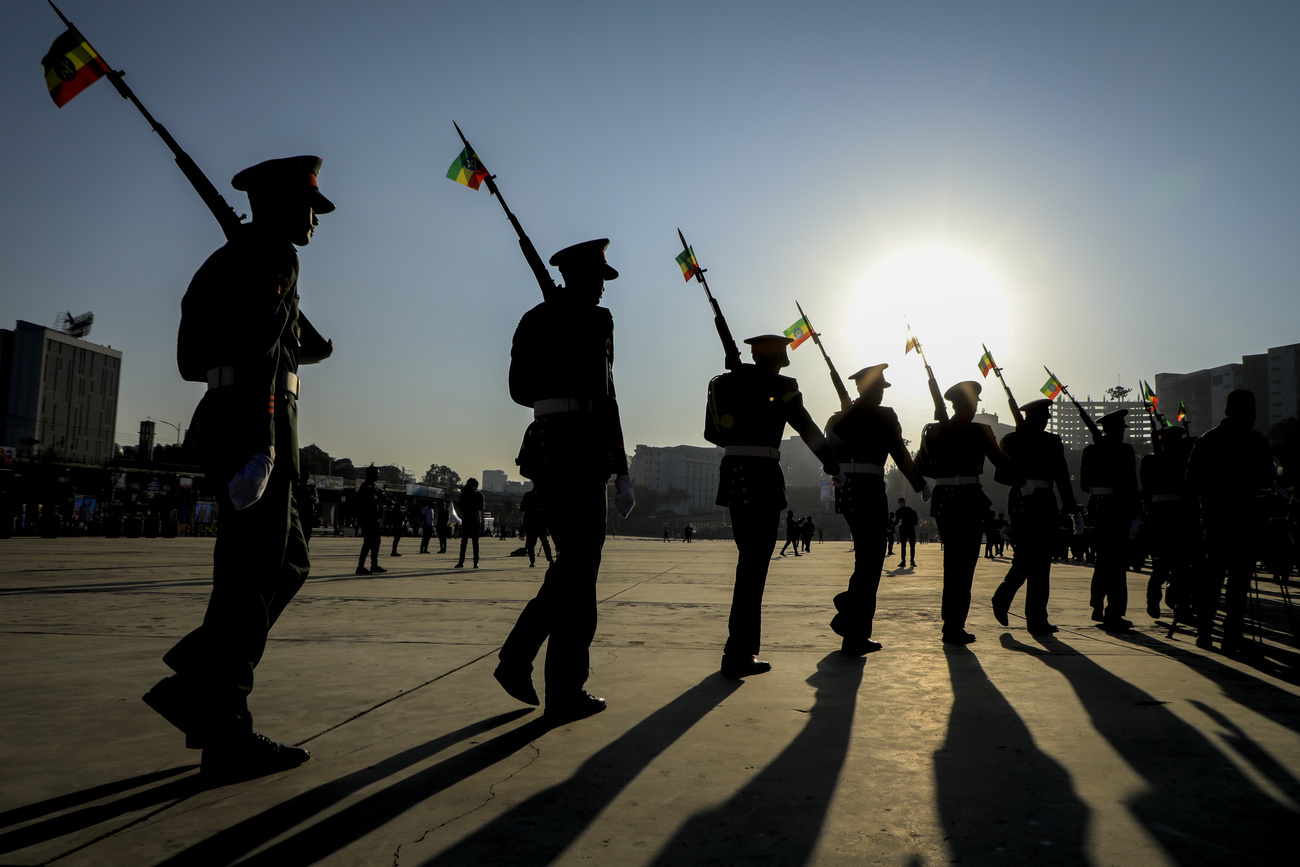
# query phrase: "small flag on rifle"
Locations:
[[71, 66], [467, 170], [686, 259], [986, 363], [799, 332], [1051, 388], [1182, 411], [1149, 395], [912, 343]]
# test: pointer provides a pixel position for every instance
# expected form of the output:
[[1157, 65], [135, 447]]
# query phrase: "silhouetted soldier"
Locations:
[[791, 531], [241, 332], [443, 526], [1108, 473], [471, 519], [1230, 466], [369, 505], [561, 365], [1039, 457], [863, 437], [747, 413], [907, 521], [427, 518], [953, 454], [534, 527], [1170, 523]]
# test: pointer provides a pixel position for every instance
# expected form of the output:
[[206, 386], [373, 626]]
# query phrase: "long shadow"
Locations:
[[538, 830], [115, 587], [60, 803], [1195, 802], [777, 817], [238, 840], [1000, 797]]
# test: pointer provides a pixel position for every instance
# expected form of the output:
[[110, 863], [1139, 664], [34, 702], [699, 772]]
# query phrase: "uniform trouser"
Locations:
[[466, 536], [1171, 547], [425, 535], [856, 606], [755, 530], [532, 535], [259, 562], [369, 544], [564, 609], [397, 537], [905, 538], [1225, 553], [1031, 566], [961, 551], [789, 540], [442, 540], [1109, 589]]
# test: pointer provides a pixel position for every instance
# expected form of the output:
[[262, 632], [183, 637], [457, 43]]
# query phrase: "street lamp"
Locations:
[[175, 425]]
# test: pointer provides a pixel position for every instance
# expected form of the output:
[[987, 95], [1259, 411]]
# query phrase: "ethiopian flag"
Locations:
[[686, 259], [986, 363], [467, 170], [1051, 388], [1182, 411], [912, 343], [1149, 395], [71, 66], [799, 332]]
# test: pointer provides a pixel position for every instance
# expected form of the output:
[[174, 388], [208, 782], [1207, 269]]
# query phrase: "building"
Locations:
[[693, 469], [58, 393], [1073, 431], [1273, 377], [494, 481]]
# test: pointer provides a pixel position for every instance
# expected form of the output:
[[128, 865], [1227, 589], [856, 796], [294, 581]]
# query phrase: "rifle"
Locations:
[[845, 400], [1015, 407], [940, 407], [1083, 413], [220, 208], [731, 353], [544, 279]]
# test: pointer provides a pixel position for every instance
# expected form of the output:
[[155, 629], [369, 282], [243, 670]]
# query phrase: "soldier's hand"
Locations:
[[926, 493], [248, 485], [624, 499], [840, 480]]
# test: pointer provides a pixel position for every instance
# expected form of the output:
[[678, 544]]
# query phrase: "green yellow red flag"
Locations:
[[1051, 388], [71, 66], [1182, 411], [799, 332], [467, 170], [986, 363], [686, 259]]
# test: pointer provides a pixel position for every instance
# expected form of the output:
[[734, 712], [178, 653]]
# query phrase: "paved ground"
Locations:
[[1084, 749]]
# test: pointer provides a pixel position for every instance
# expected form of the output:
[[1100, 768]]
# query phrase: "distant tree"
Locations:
[[438, 476], [314, 459], [392, 475], [344, 468], [651, 502]]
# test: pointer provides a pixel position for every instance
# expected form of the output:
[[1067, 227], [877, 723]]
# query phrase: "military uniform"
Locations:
[[747, 412], [1169, 517], [1038, 456], [242, 334], [369, 504], [561, 366], [953, 454], [863, 437], [1108, 473]]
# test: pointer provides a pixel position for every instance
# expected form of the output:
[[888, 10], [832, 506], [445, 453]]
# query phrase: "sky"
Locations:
[[1108, 189]]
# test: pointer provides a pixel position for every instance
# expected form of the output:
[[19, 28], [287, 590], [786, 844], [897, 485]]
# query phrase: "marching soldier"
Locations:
[[241, 332], [953, 454], [1230, 466], [1108, 473], [561, 366], [1170, 520], [1039, 456], [862, 437], [747, 413]]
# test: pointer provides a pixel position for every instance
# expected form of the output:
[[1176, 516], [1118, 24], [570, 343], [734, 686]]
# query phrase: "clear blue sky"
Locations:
[[1111, 189]]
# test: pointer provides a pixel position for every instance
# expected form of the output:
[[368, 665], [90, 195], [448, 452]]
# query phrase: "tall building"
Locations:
[[693, 469], [494, 481], [58, 393], [1273, 377], [1073, 431]]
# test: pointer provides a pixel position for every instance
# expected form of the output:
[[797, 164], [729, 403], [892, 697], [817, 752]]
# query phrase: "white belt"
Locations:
[[1165, 498], [555, 405], [871, 469], [1101, 491], [753, 452], [957, 480], [1032, 485], [225, 375]]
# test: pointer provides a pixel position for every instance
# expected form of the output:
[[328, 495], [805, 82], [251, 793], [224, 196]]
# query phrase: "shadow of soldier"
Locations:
[[538, 830], [1196, 803], [999, 796], [777, 817]]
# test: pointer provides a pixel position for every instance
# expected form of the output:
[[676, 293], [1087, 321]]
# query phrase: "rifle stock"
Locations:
[[940, 407], [1087, 419]]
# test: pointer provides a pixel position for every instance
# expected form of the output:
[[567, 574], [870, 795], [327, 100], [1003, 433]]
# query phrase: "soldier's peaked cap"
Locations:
[[769, 341], [287, 177], [1173, 431], [1112, 417], [968, 390], [587, 256], [1037, 407], [867, 376]]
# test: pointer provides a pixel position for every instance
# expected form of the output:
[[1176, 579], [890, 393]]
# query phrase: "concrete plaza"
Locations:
[[1084, 748]]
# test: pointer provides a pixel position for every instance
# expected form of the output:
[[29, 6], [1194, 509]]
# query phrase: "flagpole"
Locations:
[[730, 352], [997, 371], [845, 400], [940, 408]]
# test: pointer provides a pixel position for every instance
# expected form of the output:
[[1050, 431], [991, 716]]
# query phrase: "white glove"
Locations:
[[839, 480], [1078, 524], [248, 485], [926, 493], [624, 499]]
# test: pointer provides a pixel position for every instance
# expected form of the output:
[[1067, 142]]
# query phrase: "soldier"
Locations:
[[1039, 456], [443, 526], [535, 528], [1169, 518], [862, 437], [907, 520], [953, 453], [1229, 467], [242, 334], [747, 413], [561, 365], [471, 519], [370, 501], [1108, 473]]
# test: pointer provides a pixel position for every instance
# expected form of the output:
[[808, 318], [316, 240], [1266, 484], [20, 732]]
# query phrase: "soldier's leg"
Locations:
[[474, 540], [546, 546], [530, 543], [1037, 554], [464, 541], [856, 606], [755, 532], [961, 552], [572, 579]]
